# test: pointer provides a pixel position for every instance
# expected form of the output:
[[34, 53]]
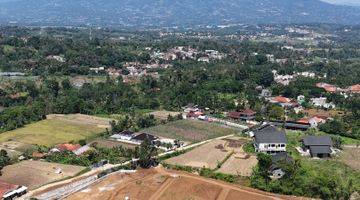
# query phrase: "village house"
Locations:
[[268, 139], [354, 89], [57, 58], [313, 121], [265, 93], [292, 125], [97, 69], [141, 137], [82, 150], [282, 101], [65, 147], [246, 114], [317, 146], [124, 135], [327, 87], [322, 102]]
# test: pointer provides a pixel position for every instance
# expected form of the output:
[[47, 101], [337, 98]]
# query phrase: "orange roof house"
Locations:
[[327, 87], [355, 88], [281, 99], [68, 147]]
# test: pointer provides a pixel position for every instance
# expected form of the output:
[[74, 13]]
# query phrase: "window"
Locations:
[[272, 145], [282, 145]]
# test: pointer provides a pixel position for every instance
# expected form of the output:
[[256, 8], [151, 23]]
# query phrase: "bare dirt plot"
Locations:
[[239, 163], [34, 174], [190, 130], [239, 166], [140, 185], [163, 114], [236, 195], [351, 157], [187, 188], [160, 184], [207, 155], [103, 143]]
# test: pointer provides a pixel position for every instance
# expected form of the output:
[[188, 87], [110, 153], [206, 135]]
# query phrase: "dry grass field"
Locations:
[[190, 130], [163, 114], [351, 157], [239, 166], [103, 143], [82, 119], [208, 155], [34, 174], [160, 184], [57, 129]]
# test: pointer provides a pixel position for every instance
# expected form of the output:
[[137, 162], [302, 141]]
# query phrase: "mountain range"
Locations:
[[173, 12]]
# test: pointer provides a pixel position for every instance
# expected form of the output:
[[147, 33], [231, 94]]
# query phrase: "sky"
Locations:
[[348, 2]]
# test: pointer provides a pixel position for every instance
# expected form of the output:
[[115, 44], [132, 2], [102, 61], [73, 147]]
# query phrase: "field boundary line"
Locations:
[[162, 189]]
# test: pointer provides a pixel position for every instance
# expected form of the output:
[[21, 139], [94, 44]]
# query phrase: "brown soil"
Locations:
[[239, 166], [37, 173], [207, 155], [188, 188], [160, 184]]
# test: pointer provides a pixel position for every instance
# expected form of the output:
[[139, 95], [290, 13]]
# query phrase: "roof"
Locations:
[[281, 99], [291, 125], [234, 114], [126, 133], [320, 149], [82, 150], [355, 88], [38, 155], [144, 136], [303, 121], [68, 147], [247, 112], [312, 140], [270, 134], [6, 187]]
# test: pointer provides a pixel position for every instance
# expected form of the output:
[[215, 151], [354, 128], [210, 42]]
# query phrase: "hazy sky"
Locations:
[[344, 1]]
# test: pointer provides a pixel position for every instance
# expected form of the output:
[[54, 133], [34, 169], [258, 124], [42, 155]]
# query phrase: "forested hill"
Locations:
[[173, 12]]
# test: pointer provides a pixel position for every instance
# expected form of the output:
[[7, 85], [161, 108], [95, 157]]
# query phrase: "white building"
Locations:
[[269, 139]]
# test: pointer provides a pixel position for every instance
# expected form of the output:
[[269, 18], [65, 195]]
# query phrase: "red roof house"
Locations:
[[6, 187], [246, 114]]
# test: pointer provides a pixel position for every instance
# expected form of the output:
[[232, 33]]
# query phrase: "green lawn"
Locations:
[[190, 130], [50, 132]]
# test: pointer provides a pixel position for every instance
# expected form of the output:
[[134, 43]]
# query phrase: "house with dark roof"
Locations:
[[277, 161], [269, 139], [318, 146], [141, 137], [291, 125]]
